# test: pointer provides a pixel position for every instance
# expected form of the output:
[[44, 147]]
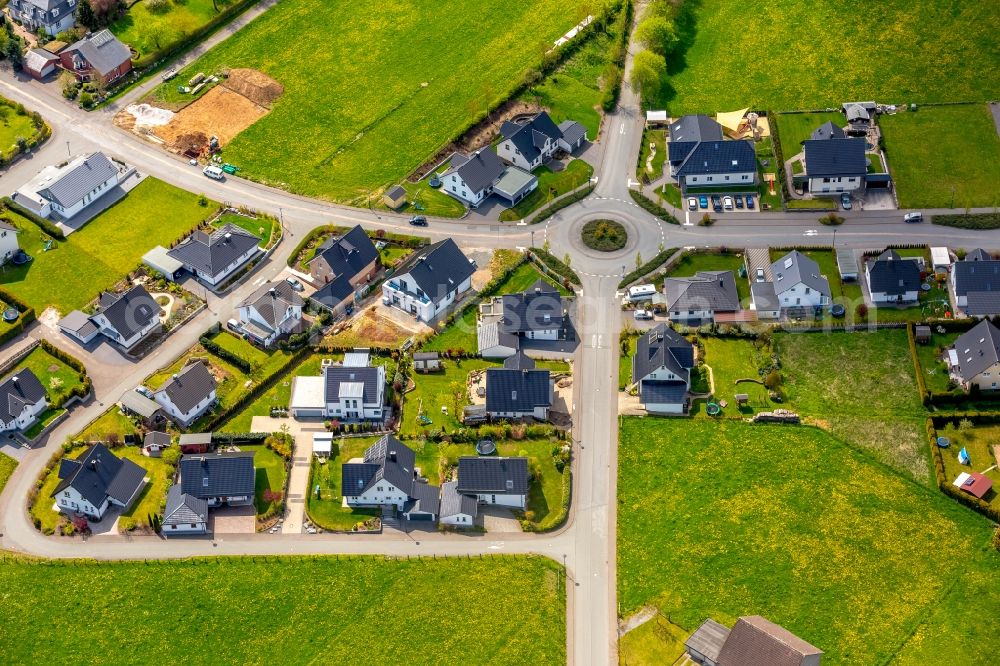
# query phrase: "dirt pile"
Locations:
[[256, 86]]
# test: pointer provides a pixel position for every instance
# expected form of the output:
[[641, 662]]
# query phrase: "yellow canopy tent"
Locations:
[[731, 120]]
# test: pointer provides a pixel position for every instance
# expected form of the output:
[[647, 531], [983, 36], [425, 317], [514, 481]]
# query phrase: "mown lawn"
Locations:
[[693, 262], [656, 642], [153, 498], [978, 441], [7, 466], [625, 361], [279, 395], [271, 474], [265, 362], [147, 31], [551, 185], [328, 606], [111, 423], [262, 227], [13, 126], [789, 55], [790, 523], [652, 169], [74, 271], [44, 419], [56, 377], [390, 85], [732, 360], [944, 156], [932, 363], [327, 509], [794, 128]]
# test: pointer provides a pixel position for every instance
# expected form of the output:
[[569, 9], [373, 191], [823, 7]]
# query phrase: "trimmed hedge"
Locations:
[[27, 316], [779, 157], [554, 265], [212, 348], [970, 221], [71, 361], [566, 201], [256, 391], [974, 503], [646, 268], [652, 207], [41, 222]]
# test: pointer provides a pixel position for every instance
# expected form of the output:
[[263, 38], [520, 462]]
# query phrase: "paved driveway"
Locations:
[[232, 520], [499, 520]]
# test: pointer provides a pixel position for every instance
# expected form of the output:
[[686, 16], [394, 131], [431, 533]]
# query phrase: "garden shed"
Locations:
[[394, 197], [322, 444], [847, 264], [922, 334]]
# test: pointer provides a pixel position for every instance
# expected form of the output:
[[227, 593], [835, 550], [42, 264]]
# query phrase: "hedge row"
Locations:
[[652, 207], [560, 516], [223, 353], [71, 361], [968, 221], [567, 200], [41, 222], [256, 391], [313, 234], [646, 268], [554, 265], [615, 70], [27, 316], [974, 503], [779, 156]]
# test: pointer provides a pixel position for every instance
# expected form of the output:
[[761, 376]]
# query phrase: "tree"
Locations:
[[657, 34], [566, 259], [773, 380], [638, 261], [625, 346], [648, 70], [85, 15], [457, 396]]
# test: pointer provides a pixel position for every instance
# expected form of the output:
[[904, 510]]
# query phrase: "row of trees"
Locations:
[[660, 37]]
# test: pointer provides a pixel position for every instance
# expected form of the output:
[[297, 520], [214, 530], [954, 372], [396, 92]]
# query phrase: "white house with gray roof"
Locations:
[[184, 513], [214, 257], [798, 282], [22, 399], [975, 283], [531, 143], [125, 319], [473, 178], [430, 280], [275, 309], [661, 367], [457, 509], [494, 480], [699, 297], [63, 191], [96, 481], [385, 476], [188, 394], [974, 359], [9, 244], [52, 16]]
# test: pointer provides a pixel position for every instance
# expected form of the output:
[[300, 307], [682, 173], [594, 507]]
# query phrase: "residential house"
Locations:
[[700, 297], [188, 394], [699, 157], [273, 310], [61, 192], [352, 255], [95, 481], [494, 480], [427, 361], [456, 509], [430, 280], [51, 16], [39, 63], [219, 478], [154, 442], [798, 282], [662, 368], [424, 502], [386, 476], [530, 144], [535, 314], [975, 283], [352, 391], [22, 399], [893, 279], [184, 514], [214, 257], [834, 162], [8, 241], [685, 134], [974, 359], [337, 296], [195, 442], [470, 178], [125, 319], [518, 390], [134, 403], [753, 641], [98, 57]]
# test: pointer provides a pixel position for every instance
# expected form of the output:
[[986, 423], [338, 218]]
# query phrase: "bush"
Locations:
[[646, 268], [604, 235], [41, 222], [968, 221], [831, 220], [706, 220], [555, 265], [652, 207], [567, 200]]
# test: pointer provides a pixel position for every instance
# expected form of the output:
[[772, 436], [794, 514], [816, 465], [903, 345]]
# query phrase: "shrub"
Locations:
[[171, 455], [831, 220], [41, 222], [861, 312], [555, 265], [652, 207], [706, 220], [969, 221]]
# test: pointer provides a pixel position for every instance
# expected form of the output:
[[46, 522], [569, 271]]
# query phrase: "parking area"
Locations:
[[232, 520]]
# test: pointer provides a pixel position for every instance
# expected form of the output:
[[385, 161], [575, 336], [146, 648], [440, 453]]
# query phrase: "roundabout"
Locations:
[[604, 235]]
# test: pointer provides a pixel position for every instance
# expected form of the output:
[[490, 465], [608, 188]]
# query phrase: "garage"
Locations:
[[308, 397]]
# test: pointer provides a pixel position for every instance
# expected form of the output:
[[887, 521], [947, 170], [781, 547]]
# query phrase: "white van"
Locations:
[[214, 172], [642, 292]]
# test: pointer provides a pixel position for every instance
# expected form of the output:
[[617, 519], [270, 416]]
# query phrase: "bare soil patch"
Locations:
[[220, 112], [256, 86]]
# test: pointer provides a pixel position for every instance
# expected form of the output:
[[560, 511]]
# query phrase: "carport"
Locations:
[[515, 184], [161, 262]]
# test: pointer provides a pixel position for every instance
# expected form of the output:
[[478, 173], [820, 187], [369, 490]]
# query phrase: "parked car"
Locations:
[[703, 202], [692, 204], [727, 203], [845, 201], [643, 314], [913, 217], [760, 276], [750, 202], [295, 284], [716, 203], [739, 200], [418, 221], [234, 326]]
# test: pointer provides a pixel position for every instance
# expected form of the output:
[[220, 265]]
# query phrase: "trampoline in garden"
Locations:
[[486, 447], [943, 442], [837, 310], [434, 182], [20, 258], [10, 315], [712, 409]]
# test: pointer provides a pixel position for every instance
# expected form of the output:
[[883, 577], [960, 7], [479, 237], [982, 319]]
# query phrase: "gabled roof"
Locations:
[[764, 297], [425, 498], [517, 390], [891, 274], [708, 639], [720, 157], [454, 503], [102, 51], [755, 641], [479, 170], [827, 130], [705, 290], [78, 323], [529, 138], [438, 269], [334, 292], [387, 459], [979, 254], [213, 253], [687, 132], [190, 386], [492, 475], [79, 178], [795, 268], [135, 402], [272, 300], [395, 192], [539, 308], [519, 361], [156, 438], [183, 509], [99, 474], [208, 475], [47, 5], [572, 131], [974, 483], [351, 382], [130, 312], [977, 274], [978, 349], [835, 157], [348, 254], [660, 347], [982, 303], [19, 391]]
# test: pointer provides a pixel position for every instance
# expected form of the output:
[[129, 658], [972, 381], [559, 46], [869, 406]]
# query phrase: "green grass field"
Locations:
[[271, 474], [264, 362], [72, 273], [794, 128], [112, 422], [731, 360], [292, 610], [789, 55], [56, 377], [262, 227], [944, 156], [13, 126], [932, 363], [723, 519], [149, 31], [389, 87], [7, 466], [551, 185], [978, 441]]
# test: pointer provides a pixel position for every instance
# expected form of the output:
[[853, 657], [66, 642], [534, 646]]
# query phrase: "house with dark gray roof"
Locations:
[[95, 481], [184, 514], [828, 130], [351, 255], [975, 283], [214, 257], [188, 394], [518, 390], [125, 319], [538, 313], [60, 192], [52, 16], [470, 178], [833, 161], [430, 280], [892, 279], [456, 509], [354, 393], [700, 157], [700, 297], [134, 403], [799, 283], [273, 310], [662, 367], [387, 476], [424, 502], [686, 133], [219, 478], [336, 296], [494, 480], [974, 358], [22, 399], [531, 143], [98, 57]]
